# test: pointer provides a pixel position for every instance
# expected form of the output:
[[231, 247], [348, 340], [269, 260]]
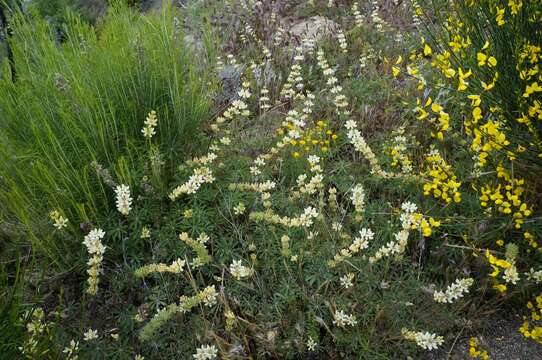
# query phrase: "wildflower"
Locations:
[[336, 226], [315, 183], [534, 275], [453, 291], [96, 249], [239, 209], [357, 140], [60, 222], [71, 350], [534, 332], [239, 271], [264, 99], [511, 275], [208, 296], [342, 41], [150, 124], [305, 219], [311, 344], [342, 319], [398, 246], [395, 68], [530, 89], [176, 267], [427, 52], [124, 199], [441, 182], [35, 328], [206, 352], [244, 93], [145, 233], [90, 335], [425, 340], [198, 245], [346, 280], [375, 17], [332, 199], [358, 17], [515, 6], [199, 177]]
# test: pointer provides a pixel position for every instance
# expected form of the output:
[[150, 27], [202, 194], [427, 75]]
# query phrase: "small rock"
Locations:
[[314, 28]]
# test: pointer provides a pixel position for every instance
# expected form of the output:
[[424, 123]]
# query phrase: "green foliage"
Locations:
[[11, 289], [56, 11], [84, 100]]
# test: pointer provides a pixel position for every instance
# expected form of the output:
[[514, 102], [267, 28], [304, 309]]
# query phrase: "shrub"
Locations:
[[479, 69]]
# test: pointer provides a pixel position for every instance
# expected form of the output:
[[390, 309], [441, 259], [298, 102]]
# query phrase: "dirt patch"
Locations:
[[501, 339]]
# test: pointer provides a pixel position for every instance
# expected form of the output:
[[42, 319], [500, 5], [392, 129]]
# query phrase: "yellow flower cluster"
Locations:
[[435, 115], [499, 265], [474, 351], [487, 138], [397, 150], [440, 179], [529, 63], [424, 223], [318, 138], [263, 188], [507, 197], [533, 331], [531, 240]]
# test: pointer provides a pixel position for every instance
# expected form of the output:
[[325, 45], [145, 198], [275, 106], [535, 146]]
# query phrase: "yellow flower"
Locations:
[[481, 57], [500, 16], [427, 52], [530, 89], [492, 61]]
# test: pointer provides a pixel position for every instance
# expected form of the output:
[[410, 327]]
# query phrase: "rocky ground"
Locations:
[[501, 339]]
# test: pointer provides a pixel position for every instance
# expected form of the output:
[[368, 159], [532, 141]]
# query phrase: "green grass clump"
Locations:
[[84, 100]]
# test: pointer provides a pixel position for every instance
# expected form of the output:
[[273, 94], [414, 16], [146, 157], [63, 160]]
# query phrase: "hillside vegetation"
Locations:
[[272, 179]]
